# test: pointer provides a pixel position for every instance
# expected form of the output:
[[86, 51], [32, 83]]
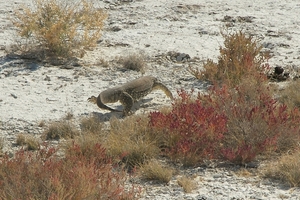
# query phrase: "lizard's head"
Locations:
[[92, 99]]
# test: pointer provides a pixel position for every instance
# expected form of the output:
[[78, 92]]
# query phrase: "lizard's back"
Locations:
[[140, 87], [137, 88]]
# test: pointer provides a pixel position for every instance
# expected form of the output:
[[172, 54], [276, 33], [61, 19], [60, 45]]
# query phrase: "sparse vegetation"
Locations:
[[236, 120], [60, 28], [153, 170], [41, 175]]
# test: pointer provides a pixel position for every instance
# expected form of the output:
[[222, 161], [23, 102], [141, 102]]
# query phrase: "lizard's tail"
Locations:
[[103, 106], [160, 86]]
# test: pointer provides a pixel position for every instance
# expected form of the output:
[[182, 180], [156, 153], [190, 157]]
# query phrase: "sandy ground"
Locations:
[[151, 28], [32, 91]]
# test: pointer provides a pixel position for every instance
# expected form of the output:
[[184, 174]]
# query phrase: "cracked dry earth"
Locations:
[[164, 32]]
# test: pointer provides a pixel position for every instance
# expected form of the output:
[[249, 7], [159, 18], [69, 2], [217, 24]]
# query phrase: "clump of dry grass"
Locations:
[[134, 62], [32, 144], [42, 123], [69, 116], [21, 139], [153, 170], [240, 57], [285, 169], [187, 183], [29, 141], [60, 28], [131, 140], [290, 95], [91, 125], [1, 145], [58, 130]]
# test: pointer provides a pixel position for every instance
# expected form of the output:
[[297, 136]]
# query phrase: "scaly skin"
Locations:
[[128, 93]]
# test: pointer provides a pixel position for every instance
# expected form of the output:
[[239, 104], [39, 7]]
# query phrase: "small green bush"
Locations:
[[60, 28]]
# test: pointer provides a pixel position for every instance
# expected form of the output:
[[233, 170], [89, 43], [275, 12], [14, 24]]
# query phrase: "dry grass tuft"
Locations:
[[290, 95], [134, 62], [131, 140], [69, 116], [32, 144], [285, 169], [21, 139], [29, 141], [91, 125], [1, 145], [153, 170], [60, 28], [42, 123], [244, 172], [58, 130], [188, 184]]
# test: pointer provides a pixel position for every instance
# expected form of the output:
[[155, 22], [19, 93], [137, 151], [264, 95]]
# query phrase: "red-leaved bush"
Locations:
[[234, 124], [42, 175], [192, 131], [257, 123]]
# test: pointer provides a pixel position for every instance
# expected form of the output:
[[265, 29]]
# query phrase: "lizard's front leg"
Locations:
[[127, 102]]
